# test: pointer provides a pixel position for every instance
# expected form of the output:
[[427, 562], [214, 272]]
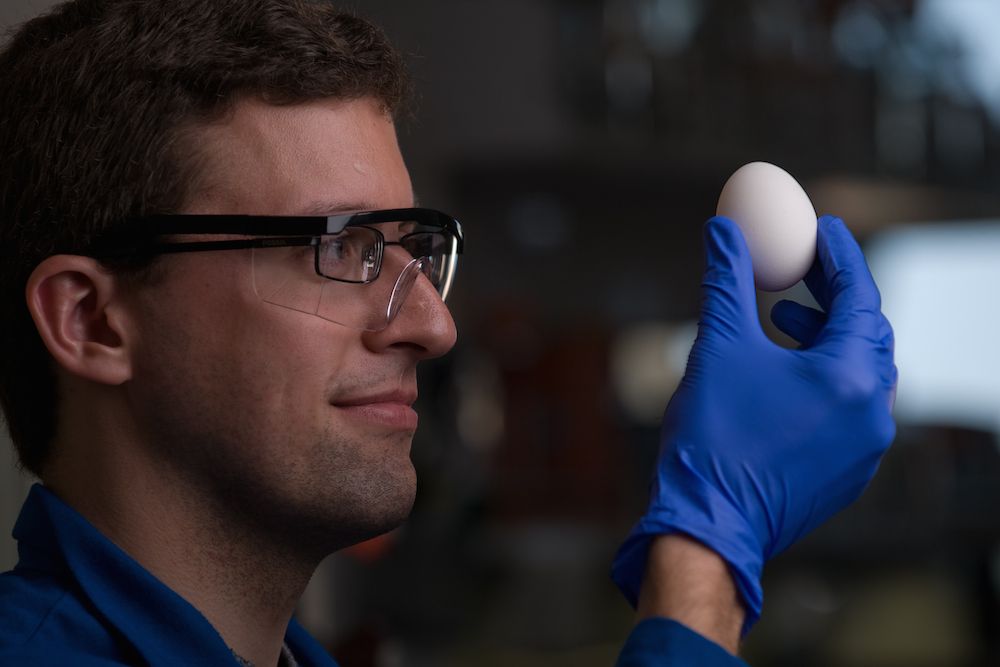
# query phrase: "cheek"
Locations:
[[212, 353], [285, 361]]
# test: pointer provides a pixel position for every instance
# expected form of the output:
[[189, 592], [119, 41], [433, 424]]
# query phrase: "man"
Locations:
[[215, 293]]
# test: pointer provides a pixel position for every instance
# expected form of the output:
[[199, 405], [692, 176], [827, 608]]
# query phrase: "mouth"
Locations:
[[391, 410]]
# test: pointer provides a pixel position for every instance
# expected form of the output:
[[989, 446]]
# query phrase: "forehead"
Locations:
[[318, 157]]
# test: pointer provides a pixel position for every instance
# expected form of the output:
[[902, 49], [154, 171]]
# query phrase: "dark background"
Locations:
[[583, 143]]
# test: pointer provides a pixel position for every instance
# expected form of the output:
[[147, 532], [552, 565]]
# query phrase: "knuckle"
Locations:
[[852, 386], [886, 431], [862, 394]]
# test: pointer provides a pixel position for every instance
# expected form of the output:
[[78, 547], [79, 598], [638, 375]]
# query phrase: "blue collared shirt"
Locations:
[[660, 642], [77, 599]]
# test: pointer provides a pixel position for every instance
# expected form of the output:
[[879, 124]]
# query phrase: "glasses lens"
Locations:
[[287, 277], [353, 278], [353, 255], [440, 253]]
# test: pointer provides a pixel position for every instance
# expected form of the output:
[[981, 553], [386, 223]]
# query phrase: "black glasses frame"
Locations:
[[140, 236]]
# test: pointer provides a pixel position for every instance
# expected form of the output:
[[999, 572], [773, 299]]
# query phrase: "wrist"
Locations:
[[691, 584]]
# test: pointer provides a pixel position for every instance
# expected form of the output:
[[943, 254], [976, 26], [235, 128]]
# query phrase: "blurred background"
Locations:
[[583, 143]]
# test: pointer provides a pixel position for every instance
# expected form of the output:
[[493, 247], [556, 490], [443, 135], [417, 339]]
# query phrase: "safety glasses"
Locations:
[[355, 269]]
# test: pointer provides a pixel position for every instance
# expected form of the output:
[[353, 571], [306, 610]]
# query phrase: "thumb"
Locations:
[[729, 299], [843, 285]]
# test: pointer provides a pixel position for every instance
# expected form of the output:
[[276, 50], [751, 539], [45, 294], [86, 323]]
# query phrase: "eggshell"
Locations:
[[777, 220]]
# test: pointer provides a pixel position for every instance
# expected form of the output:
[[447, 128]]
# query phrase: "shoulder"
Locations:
[[27, 599], [39, 657], [43, 621]]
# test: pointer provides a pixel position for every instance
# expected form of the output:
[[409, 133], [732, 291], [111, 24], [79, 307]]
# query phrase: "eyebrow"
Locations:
[[334, 207], [337, 206]]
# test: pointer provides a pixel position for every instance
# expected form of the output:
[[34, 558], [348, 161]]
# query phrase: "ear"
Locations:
[[78, 309]]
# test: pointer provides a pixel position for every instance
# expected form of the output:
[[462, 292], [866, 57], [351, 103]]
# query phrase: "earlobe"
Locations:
[[78, 310]]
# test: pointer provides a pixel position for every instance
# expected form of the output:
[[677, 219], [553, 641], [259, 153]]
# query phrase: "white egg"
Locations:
[[777, 220]]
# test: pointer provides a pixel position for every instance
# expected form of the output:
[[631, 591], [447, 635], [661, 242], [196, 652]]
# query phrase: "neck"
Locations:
[[245, 582]]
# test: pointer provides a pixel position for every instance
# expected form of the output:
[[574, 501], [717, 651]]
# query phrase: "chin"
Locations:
[[380, 507], [393, 507]]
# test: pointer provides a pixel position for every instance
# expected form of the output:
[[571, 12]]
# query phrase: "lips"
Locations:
[[389, 410], [397, 397]]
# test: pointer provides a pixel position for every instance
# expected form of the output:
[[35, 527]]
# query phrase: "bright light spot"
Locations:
[[647, 365], [938, 287], [966, 29]]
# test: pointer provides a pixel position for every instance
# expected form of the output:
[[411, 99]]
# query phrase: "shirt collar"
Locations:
[[162, 626]]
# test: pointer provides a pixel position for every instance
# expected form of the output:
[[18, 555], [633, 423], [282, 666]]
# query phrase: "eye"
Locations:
[[351, 255], [334, 257], [332, 250]]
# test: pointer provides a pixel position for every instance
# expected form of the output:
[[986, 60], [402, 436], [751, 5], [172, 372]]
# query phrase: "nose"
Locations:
[[423, 325]]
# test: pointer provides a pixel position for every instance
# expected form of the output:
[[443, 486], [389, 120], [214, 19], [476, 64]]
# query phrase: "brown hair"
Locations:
[[98, 97]]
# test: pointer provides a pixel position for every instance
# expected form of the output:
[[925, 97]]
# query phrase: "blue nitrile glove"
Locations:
[[761, 444]]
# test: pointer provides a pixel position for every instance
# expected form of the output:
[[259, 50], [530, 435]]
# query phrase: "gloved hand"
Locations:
[[761, 444]]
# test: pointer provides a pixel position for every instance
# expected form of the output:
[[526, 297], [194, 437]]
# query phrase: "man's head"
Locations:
[[119, 109]]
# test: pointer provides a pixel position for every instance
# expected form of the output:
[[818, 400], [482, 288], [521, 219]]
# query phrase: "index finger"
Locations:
[[842, 283]]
